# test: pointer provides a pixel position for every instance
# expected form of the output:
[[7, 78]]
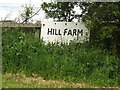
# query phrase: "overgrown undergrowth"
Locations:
[[73, 63]]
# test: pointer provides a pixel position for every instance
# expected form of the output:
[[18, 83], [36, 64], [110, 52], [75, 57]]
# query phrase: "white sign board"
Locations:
[[64, 32]]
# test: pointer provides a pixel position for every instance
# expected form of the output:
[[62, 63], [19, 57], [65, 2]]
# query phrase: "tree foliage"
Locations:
[[27, 13], [60, 11], [103, 20]]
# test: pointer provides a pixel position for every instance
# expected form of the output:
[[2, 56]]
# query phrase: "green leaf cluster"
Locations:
[[103, 21], [60, 11]]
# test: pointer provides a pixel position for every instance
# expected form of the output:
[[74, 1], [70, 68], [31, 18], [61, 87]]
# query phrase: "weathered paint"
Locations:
[[64, 32]]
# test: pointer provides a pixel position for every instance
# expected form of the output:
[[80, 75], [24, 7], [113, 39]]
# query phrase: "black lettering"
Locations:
[[69, 32], [80, 32], [74, 32], [53, 31], [49, 31], [59, 32], [65, 31], [56, 32]]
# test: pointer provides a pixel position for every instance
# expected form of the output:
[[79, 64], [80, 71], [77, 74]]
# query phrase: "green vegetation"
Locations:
[[0, 80], [20, 80], [28, 13], [15, 81], [102, 19], [60, 11], [76, 62]]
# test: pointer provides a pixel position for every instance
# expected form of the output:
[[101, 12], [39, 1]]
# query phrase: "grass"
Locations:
[[21, 81], [0, 80], [74, 63], [10, 81]]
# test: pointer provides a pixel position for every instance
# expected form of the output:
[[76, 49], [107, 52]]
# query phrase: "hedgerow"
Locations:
[[74, 63]]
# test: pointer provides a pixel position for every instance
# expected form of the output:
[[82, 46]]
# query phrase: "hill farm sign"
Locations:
[[64, 32]]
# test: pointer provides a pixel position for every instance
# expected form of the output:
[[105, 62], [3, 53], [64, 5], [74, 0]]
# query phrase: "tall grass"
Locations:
[[73, 63]]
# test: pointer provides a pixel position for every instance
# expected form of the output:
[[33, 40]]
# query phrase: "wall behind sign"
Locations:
[[64, 32]]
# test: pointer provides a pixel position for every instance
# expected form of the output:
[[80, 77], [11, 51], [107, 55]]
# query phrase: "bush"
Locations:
[[74, 62]]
